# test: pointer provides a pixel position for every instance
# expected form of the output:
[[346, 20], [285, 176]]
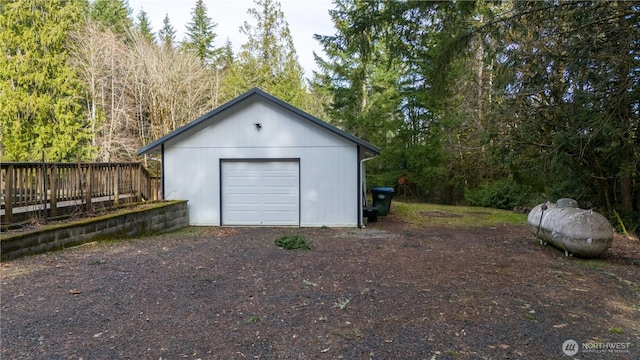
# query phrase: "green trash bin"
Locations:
[[382, 199]]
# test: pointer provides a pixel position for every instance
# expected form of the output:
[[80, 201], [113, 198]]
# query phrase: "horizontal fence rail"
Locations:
[[36, 190]]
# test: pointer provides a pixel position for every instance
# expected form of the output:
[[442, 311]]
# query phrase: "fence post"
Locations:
[[89, 190], [43, 169], [140, 183], [116, 185], [53, 186], [8, 195], [133, 183], [146, 179]]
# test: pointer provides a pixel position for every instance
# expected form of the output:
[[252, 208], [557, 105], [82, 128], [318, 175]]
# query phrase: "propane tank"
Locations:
[[579, 232]]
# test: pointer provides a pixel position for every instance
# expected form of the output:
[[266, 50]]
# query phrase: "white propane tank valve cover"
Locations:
[[567, 203]]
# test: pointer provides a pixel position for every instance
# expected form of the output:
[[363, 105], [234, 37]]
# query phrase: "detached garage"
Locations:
[[258, 161]]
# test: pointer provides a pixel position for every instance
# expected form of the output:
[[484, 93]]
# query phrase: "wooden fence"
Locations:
[[39, 190]]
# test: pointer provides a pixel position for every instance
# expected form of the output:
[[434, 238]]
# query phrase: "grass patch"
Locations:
[[616, 330], [293, 242], [341, 334], [453, 354], [594, 264], [635, 287], [456, 216]]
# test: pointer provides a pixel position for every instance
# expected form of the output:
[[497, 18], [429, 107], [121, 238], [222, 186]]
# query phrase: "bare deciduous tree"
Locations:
[[138, 91], [99, 57]]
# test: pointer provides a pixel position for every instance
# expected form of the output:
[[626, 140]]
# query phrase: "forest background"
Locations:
[[489, 103]]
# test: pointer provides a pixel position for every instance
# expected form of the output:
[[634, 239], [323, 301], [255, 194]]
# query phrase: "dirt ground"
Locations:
[[391, 291]]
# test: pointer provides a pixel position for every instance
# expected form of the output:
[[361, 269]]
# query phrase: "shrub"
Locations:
[[293, 242], [501, 194]]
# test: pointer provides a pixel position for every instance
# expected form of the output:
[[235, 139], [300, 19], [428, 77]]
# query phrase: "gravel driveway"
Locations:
[[390, 291]]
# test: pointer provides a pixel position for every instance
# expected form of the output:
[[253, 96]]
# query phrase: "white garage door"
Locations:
[[260, 193]]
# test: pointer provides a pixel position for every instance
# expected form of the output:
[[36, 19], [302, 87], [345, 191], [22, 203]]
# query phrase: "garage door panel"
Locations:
[[290, 185], [243, 182], [243, 190], [278, 194], [284, 181], [239, 217], [260, 193], [276, 218], [276, 200], [236, 200]]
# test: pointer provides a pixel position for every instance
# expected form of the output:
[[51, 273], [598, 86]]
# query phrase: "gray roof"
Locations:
[[154, 146]]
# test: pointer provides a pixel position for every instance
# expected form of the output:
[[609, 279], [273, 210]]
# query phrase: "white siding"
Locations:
[[328, 163], [280, 128]]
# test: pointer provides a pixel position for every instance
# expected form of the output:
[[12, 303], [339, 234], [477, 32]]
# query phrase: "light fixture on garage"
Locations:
[[258, 126]]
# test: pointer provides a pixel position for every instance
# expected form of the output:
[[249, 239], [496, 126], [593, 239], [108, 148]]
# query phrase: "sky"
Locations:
[[305, 18]]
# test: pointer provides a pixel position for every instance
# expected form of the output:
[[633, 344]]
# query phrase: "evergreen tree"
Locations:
[[225, 60], [568, 121], [200, 34], [40, 106], [144, 26], [167, 34], [348, 72], [387, 73], [223, 70], [375, 90], [268, 59], [113, 14]]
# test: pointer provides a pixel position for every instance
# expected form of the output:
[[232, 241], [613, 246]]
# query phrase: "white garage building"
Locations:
[[257, 160]]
